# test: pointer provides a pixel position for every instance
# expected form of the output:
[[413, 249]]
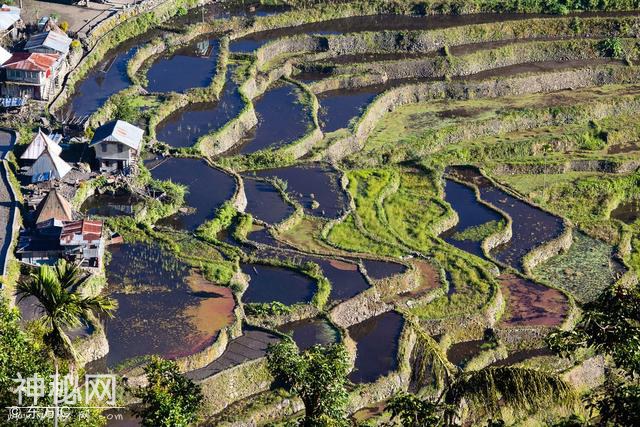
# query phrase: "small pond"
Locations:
[[531, 304], [110, 204], [193, 65], [627, 211], [309, 332], [316, 187], [270, 283], [185, 126], [164, 307], [377, 343], [471, 213], [460, 353], [208, 188]]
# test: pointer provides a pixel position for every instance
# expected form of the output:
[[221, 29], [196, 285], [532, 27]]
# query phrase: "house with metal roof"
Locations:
[[117, 145], [83, 243], [49, 42], [48, 166], [31, 75], [40, 142], [55, 207]]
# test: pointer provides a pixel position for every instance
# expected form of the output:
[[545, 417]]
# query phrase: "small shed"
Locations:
[[54, 206], [39, 143]]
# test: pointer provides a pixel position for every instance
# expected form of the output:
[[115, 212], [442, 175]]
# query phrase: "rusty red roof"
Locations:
[[31, 61], [90, 231]]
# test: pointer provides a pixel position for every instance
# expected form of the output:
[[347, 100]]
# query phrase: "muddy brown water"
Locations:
[[471, 213], [185, 126], [164, 307], [200, 179], [270, 283], [193, 65], [377, 342], [532, 304], [627, 211], [312, 185], [309, 332], [282, 119], [531, 225], [110, 204]]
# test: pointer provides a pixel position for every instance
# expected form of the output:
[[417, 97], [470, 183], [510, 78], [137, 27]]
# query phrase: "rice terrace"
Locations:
[[320, 212]]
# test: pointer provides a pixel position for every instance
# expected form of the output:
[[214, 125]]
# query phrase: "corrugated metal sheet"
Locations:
[[31, 61], [119, 131], [80, 232], [4, 55], [9, 15], [49, 163], [50, 39], [38, 145]]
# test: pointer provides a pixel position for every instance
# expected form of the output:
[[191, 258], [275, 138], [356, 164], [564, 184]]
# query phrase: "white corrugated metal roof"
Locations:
[[119, 131], [9, 15], [4, 55], [50, 39], [38, 145], [50, 163]]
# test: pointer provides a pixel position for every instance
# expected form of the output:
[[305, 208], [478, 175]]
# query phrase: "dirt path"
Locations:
[[7, 200]]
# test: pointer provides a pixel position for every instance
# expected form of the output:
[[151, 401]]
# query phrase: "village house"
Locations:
[[82, 242], [53, 207], [54, 42], [117, 144], [31, 75], [37, 146], [4, 55], [49, 165]]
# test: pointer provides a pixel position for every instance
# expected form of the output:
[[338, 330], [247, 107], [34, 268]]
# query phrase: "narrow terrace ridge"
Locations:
[[250, 346]]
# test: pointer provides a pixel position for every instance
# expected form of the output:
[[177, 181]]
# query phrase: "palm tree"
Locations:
[[484, 392], [55, 290]]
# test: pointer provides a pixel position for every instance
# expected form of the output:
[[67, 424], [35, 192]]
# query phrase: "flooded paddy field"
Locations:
[[627, 212], [461, 353], [275, 104], [270, 283], [265, 202], [199, 178], [471, 215], [377, 346], [164, 307], [316, 187], [531, 226], [309, 332], [184, 126], [193, 65], [339, 107]]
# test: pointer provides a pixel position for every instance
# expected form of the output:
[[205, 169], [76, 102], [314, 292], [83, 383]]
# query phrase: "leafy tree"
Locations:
[[55, 290], [318, 376], [610, 325], [612, 47], [169, 399], [412, 411], [22, 352]]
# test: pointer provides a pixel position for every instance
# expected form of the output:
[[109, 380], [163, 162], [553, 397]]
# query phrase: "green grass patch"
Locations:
[[478, 233]]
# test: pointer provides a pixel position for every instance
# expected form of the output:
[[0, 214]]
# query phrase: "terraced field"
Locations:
[[382, 178]]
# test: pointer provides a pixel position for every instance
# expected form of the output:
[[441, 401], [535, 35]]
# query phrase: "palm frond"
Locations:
[[430, 365], [69, 275], [100, 305], [523, 390]]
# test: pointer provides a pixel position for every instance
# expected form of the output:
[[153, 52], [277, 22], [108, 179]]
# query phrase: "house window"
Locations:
[[104, 147], [120, 148]]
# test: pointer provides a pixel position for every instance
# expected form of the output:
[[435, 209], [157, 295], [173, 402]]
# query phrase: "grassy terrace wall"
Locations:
[[490, 88]]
